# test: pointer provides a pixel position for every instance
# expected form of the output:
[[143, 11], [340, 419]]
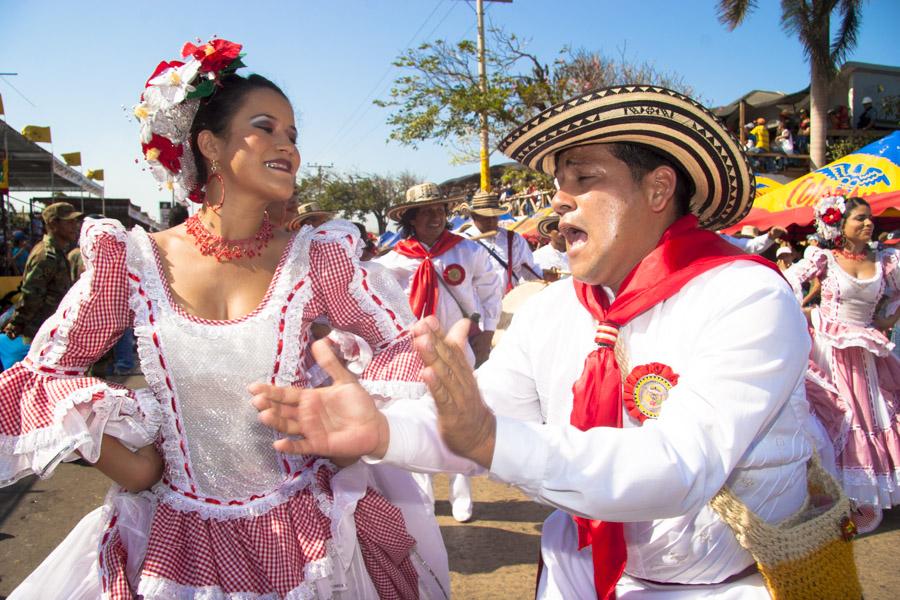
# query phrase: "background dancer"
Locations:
[[854, 378], [204, 507], [451, 278]]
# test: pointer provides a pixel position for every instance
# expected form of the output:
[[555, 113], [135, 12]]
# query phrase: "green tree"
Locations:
[[356, 196], [810, 21], [437, 97]]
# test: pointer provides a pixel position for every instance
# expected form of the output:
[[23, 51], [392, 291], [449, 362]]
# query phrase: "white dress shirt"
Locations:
[[479, 291], [756, 245], [548, 257], [523, 266], [737, 340]]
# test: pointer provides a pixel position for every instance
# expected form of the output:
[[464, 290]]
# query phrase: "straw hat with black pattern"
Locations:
[[308, 211], [545, 224], [721, 181], [487, 204], [424, 194]]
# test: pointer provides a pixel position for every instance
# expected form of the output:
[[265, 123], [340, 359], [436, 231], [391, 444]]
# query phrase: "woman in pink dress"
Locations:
[[853, 383], [203, 506]]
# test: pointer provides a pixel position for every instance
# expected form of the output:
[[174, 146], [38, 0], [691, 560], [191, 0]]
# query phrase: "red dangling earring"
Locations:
[[214, 174]]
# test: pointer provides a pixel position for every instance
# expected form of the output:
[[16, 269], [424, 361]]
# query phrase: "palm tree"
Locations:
[[810, 20]]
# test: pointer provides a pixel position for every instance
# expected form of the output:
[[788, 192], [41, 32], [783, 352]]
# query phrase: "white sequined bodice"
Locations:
[[224, 452], [848, 299]]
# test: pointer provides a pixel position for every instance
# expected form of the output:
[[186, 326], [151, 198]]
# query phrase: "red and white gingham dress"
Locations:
[[231, 518]]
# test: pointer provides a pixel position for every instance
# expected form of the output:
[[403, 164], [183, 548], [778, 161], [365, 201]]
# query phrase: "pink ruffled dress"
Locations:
[[853, 383], [231, 518]]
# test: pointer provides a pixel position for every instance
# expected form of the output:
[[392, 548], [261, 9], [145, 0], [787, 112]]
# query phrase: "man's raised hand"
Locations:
[[466, 425], [339, 421]]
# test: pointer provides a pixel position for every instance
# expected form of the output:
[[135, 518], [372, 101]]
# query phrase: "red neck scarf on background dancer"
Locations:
[[423, 294], [683, 252]]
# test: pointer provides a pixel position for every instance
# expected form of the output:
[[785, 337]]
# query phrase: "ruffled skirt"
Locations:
[[853, 386], [137, 545]]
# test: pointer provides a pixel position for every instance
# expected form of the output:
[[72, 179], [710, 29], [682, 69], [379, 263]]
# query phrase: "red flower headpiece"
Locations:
[[168, 105]]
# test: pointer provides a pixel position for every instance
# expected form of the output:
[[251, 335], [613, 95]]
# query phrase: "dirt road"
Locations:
[[491, 557]]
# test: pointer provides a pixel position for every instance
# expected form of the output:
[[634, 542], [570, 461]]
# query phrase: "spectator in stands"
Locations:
[[20, 250], [802, 141], [867, 118]]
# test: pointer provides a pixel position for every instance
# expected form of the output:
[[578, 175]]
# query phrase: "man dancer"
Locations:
[[670, 365], [552, 256], [450, 277], [509, 251]]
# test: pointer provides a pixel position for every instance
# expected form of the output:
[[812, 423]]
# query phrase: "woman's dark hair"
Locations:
[[849, 205], [406, 219], [216, 111], [642, 159], [178, 215]]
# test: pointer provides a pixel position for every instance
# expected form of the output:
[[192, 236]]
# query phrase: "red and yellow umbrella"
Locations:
[[872, 172]]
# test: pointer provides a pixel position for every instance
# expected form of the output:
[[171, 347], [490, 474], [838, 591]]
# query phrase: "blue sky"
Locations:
[[81, 65]]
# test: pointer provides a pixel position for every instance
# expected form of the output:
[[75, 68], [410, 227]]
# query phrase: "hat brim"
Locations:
[[671, 124], [395, 213], [297, 222], [71, 216], [489, 212], [543, 226]]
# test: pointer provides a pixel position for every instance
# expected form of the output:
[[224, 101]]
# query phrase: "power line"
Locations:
[[352, 123], [367, 100], [6, 81]]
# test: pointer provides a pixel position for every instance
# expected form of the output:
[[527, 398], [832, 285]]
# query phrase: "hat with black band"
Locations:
[[719, 175]]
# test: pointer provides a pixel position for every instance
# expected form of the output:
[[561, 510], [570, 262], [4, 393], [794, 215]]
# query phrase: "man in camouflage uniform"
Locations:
[[47, 275]]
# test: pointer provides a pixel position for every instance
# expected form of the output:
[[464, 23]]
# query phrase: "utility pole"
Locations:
[[320, 177], [482, 85]]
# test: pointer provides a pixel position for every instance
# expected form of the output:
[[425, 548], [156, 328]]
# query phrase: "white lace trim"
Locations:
[[39, 451], [166, 589], [864, 486], [395, 390], [851, 336], [148, 353], [145, 265], [251, 508], [49, 352], [292, 336]]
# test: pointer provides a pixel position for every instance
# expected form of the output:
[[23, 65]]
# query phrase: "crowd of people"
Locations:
[[670, 398]]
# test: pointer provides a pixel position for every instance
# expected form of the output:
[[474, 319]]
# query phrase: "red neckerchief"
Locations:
[[683, 253], [423, 296]]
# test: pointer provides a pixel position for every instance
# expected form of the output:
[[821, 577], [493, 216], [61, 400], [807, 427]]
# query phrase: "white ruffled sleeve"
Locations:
[[49, 407], [813, 264]]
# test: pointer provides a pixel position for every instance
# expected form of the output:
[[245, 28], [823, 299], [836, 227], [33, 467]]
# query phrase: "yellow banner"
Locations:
[[2, 112], [37, 134], [73, 159], [95, 174], [4, 174]]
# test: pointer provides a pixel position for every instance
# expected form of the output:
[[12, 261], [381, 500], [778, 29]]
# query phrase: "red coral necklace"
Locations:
[[853, 255], [224, 250]]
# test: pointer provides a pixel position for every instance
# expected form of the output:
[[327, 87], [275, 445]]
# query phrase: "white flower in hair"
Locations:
[[829, 212], [172, 85]]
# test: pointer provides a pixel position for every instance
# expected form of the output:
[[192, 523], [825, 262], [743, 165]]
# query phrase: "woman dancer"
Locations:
[[218, 303], [853, 383]]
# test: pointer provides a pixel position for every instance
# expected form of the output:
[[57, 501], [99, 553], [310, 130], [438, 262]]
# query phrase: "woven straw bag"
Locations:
[[810, 554]]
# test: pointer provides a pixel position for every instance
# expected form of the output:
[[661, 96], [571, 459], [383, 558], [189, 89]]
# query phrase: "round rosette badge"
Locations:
[[454, 274], [646, 388]]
